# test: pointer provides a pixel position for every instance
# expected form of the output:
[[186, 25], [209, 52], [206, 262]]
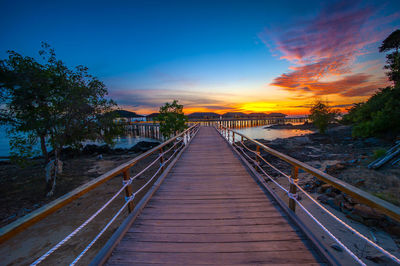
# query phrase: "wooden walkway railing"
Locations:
[[124, 169], [213, 208], [210, 211]]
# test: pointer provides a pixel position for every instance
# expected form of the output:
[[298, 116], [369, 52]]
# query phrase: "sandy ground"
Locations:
[[25, 247]]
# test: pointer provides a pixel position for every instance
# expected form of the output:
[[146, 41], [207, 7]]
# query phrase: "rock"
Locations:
[[355, 217], [331, 202], [393, 230], [350, 199], [337, 247], [323, 188], [90, 149], [378, 258], [335, 169], [347, 206], [359, 182], [339, 200], [301, 140], [104, 149], [323, 198], [366, 212], [373, 141], [144, 146]]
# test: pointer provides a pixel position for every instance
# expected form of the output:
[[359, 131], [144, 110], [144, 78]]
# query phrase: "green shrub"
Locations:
[[321, 115], [379, 153]]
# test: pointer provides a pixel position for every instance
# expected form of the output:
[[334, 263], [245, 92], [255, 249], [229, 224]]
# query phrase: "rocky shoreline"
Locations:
[[343, 157]]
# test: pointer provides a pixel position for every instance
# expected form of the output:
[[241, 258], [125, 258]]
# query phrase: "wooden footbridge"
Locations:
[[207, 204]]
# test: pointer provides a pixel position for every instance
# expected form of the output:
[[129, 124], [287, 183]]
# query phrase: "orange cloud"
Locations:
[[324, 50]]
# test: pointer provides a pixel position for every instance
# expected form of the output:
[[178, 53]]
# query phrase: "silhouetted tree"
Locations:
[[52, 103], [392, 42], [321, 115]]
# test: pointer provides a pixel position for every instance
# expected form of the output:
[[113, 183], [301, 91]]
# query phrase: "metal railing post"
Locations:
[[293, 188], [128, 189]]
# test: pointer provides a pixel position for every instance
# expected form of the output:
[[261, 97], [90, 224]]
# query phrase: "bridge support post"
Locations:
[[162, 159], [293, 188], [257, 158], [128, 189]]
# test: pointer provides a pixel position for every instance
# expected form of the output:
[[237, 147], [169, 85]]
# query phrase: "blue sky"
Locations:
[[210, 55]]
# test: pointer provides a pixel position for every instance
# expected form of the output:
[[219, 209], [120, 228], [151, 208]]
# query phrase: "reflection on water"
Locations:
[[124, 142], [263, 132]]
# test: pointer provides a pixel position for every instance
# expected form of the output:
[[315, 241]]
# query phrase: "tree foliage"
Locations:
[[392, 42], [378, 116], [321, 115], [172, 119], [51, 103]]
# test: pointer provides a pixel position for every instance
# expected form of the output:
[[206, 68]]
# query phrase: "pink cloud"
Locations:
[[327, 46]]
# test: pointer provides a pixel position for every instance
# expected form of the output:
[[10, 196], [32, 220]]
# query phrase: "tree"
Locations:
[[53, 104], [321, 115], [392, 42], [378, 116], [172, 119]]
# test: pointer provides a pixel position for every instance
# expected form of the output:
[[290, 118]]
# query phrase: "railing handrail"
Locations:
[[26, 221], [362, 196]]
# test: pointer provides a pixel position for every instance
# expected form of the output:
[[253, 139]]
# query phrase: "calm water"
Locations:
[[270, 134], [129, 140], [121, 142]]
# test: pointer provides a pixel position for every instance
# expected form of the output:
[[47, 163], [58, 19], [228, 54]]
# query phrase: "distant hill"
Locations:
[[127, 114]]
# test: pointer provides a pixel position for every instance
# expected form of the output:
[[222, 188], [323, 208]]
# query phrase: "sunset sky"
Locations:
[[217, 56]]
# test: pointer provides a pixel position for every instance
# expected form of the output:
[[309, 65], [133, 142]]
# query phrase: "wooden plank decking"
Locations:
[[209, 210]]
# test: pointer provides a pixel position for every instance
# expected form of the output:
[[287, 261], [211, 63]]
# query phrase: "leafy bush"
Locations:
[[172, 119], [379, 153], [379, 116], [321, 115]]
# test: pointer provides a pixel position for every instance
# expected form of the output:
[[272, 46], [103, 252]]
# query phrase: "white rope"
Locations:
[[115, 216], [294, 196], [44, 256], [391, 256], [359, 261], [262, 158], [102, 231], [125, 184], [152, 163]]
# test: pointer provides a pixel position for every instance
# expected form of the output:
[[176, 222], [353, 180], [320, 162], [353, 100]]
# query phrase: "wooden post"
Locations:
[[128, 189], [293, 188], [258, 152], [233, 137], [162, 159]]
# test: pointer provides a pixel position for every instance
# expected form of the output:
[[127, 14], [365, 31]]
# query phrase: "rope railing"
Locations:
[[174, 146], [293, 196]]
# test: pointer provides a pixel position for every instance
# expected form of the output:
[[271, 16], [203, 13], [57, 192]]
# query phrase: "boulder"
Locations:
[[367, 212], [144, 146], [323, 198], [90, 149]]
